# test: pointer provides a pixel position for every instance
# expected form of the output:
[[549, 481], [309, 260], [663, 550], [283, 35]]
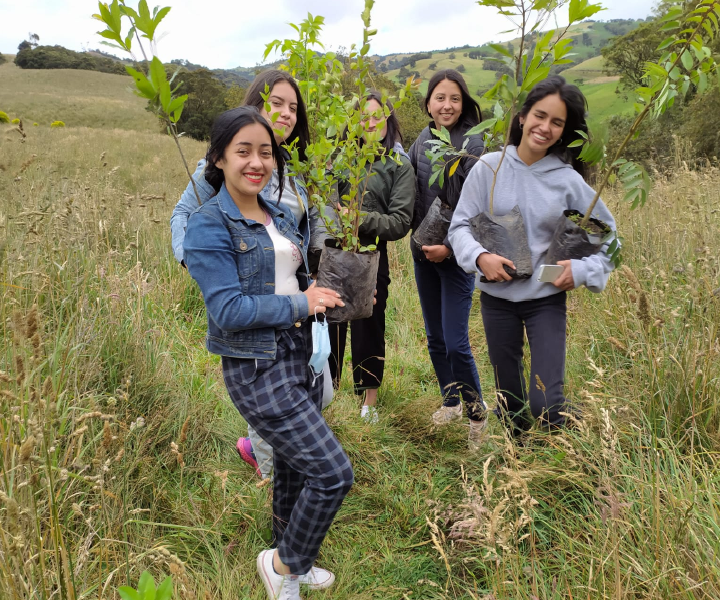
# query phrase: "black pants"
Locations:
[[367, 338], [544, 320]]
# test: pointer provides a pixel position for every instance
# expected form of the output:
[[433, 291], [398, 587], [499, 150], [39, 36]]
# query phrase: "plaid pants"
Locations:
[[312, 473]]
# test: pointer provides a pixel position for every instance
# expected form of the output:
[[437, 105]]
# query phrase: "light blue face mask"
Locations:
[[321, 347]]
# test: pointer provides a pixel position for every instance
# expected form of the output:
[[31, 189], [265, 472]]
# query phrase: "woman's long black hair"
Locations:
[[576, 106], [471, 114], [224, 128], [253, 97]]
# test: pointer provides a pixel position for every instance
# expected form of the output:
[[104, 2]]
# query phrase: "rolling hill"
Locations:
[[586, 72]]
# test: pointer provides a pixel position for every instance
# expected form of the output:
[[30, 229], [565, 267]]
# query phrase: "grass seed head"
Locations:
[[631, 278], [26, 449], [644, 311]]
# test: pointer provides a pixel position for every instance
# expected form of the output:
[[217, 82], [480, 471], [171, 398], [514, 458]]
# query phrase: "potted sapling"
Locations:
[[340, 153]]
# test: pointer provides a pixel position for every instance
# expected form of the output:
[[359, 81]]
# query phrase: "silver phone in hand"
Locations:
[[549, 273]]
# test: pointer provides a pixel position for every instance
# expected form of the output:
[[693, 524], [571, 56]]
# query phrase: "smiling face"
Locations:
[[247, 163], [375, 122], [284, 102], [543, 126], [445, 105]]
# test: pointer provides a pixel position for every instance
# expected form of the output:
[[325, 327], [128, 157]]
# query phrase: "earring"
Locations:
[[559, 142], [522, 125]]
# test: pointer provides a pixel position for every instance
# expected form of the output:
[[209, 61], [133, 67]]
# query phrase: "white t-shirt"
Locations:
[[288, 259], [289, 197]]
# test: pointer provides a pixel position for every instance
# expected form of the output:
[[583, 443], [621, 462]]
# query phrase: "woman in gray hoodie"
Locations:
[[543, 177]]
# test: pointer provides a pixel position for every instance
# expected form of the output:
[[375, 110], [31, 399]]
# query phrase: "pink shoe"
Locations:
[[245, 450]]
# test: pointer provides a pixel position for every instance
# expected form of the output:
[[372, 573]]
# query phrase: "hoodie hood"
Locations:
[[547, 164]]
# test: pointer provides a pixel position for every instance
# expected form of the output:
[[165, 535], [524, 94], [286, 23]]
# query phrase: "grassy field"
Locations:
[[102, 328], [78, 98]]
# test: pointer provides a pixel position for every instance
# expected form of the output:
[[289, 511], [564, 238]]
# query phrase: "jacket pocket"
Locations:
[[247, 258]]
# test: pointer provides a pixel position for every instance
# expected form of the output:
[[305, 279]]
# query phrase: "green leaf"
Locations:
[[702, 82], [669, 26], [533, 77], [576, 143], [127, 593], [582, 9], [165, 590], [666, 43], [143, 85], [501, 50], [486, 124], [146, 586], [157, 72], [177, 103], [687, 60]]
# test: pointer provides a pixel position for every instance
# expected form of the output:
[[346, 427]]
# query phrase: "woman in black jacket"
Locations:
[[445, 290], [388, 197]]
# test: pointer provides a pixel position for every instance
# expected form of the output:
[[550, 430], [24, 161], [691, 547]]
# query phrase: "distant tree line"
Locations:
[[57, 57], [239, 77], [399, 63]]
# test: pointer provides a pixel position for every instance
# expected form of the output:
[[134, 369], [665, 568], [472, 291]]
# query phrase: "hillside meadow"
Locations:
[[117, 436]]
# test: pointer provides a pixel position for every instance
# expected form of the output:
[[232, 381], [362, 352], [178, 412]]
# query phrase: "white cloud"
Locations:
[[230, 33]]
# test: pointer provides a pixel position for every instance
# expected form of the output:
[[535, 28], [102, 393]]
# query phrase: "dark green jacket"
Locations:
[[388, 201]]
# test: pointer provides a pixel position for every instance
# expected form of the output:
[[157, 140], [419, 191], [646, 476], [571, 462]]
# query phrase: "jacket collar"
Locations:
[[228, 206]]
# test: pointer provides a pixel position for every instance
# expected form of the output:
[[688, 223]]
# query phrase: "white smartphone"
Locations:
[[549, 273]]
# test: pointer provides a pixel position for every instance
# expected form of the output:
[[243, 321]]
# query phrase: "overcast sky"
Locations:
[[231, 33]]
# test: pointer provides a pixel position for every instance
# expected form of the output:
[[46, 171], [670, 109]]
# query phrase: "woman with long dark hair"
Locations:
[[444, 288], [248, 257], [387, 202], [280, 91], [542, 175]]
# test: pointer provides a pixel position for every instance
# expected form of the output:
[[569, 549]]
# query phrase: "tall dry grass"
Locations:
[[117, 436]]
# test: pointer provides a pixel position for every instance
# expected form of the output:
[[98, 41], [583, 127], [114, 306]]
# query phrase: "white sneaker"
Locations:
[[278, 587], [477, 435], [447, 414], [369, 413], [317, 579]]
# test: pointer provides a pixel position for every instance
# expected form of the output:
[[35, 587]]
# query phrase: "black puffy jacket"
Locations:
[[450, 192]]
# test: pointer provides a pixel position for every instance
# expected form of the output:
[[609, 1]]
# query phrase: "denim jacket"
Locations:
[[188, 203], [233, 261]]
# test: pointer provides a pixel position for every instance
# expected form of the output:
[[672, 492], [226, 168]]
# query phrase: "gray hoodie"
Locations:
[[543, 191]]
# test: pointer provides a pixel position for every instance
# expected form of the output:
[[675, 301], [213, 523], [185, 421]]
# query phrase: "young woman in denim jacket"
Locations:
[[290, 127], [388, 206], [444, 288], [250, 262]]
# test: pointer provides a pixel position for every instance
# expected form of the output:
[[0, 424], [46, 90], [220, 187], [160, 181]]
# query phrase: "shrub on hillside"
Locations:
[[206, 100], [57, 57], [412, 118], [4, 117], [2, 59]]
